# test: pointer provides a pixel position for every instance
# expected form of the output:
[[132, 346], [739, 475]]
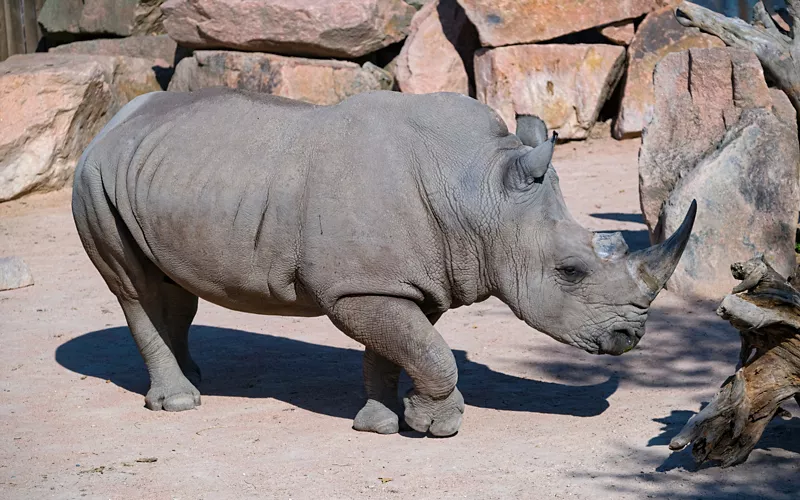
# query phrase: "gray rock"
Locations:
[[14, 273], [112, 17], [720, 136], [158, 48]]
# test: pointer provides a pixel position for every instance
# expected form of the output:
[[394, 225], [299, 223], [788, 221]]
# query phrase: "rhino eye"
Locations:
[[571, 273]]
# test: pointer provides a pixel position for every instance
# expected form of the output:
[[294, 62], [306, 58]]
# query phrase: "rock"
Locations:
[[782, 19], [658, 35], [160, 48], [719, 135], [112, 17], [418, 4], [312, 80], [433, 56], [347, 28], [600, 130], [564, 85], [511, 22], [782, 108], [52, 106], [619, 33], [14, 273]]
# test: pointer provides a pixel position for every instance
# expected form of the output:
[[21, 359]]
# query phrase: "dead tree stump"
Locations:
[[765, 308], [777, 48]]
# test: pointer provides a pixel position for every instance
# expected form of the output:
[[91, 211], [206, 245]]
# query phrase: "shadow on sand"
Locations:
[[318, 378]]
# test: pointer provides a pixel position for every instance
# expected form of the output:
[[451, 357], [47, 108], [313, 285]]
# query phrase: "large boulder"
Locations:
[[564, 85], [312, 80], [658, 35], [161, 49], [720, 136], [433, 57], [51, 106], [344, 28], [112, 17], [511, 22]]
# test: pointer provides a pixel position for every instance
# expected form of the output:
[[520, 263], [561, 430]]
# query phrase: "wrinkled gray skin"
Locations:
[[381, 212]]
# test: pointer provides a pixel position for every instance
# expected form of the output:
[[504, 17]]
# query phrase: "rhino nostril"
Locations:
[[629, 333]]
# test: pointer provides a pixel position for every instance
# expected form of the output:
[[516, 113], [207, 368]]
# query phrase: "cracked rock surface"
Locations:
[[720, 135]]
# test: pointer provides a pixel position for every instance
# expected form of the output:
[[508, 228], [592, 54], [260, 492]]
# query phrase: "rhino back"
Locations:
[[267, 205], [208, 184]]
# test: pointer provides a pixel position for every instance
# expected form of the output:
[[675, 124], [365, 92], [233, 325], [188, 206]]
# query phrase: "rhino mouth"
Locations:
[[621, 339]]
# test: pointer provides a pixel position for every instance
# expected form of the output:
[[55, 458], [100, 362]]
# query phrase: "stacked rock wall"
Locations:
[[571, 62]]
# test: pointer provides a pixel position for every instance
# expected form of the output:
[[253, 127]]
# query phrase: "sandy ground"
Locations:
[[543, 420]]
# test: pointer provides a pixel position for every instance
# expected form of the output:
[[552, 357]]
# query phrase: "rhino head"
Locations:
[[581, 288]]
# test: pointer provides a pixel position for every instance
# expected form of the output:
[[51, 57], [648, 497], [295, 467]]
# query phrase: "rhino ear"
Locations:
[[531, 166], [531, 130]]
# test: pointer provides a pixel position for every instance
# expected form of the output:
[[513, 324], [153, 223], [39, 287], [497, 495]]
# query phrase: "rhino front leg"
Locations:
[[397, 330]]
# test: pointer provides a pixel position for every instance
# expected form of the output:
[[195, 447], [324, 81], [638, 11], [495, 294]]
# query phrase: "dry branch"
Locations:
[[765, 308], [778, 51]]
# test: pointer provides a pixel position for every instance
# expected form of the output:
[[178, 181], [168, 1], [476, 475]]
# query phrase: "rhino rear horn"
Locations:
[[653, 266], [532, 165], [531, 130]]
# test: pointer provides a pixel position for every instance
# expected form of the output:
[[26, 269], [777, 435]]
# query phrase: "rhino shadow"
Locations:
[[318, 378]]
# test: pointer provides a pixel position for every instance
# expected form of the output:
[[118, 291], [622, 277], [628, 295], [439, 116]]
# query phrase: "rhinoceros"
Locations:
[[381, 212]]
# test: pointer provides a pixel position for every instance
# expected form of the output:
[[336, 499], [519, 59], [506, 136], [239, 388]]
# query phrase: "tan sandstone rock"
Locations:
[[658, 35], [564, 85], [619, 33], [113, 17], [343, 28], [508, 22], [432, 58], [312, 80], [720, 136], [51, 106]]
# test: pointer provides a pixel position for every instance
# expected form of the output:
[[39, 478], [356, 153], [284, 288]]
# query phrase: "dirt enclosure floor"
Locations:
[[543, 420]]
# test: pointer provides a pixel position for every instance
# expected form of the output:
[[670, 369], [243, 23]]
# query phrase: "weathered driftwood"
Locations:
[[765, 308], [778, 49]]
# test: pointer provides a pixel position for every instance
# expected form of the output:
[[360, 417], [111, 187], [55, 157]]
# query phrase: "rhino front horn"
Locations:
[[653, 266]]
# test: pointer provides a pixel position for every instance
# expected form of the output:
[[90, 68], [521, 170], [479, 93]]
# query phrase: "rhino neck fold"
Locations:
[[462, 247]]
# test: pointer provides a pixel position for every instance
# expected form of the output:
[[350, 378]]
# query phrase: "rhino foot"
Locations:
[[376, 417], [440, 417], [177, 395]]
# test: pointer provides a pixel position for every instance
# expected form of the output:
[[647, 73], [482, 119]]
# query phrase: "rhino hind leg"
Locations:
[[380, 381], [182, 309], [170, 389], [157, 312], [398, 331]]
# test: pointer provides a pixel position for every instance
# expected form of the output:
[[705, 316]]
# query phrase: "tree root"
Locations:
[[767, 314]]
